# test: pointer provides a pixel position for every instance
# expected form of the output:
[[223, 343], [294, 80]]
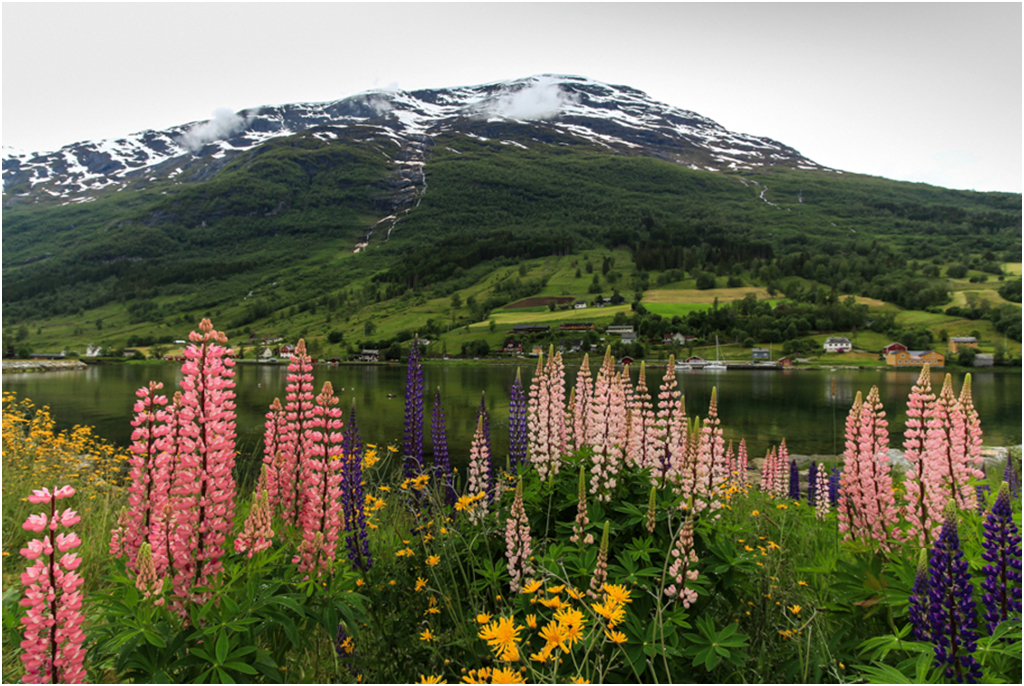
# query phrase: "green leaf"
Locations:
[[223, 646], [240, 667], [154, 638]]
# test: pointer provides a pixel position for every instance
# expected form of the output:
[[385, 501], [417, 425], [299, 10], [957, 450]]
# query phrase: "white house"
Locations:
[[838, 345]]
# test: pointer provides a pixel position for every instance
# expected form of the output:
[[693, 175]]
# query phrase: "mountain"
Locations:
[[557, 108], [383, 210]]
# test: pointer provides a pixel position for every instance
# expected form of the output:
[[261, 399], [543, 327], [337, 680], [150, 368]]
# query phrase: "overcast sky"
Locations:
[[920, 91]]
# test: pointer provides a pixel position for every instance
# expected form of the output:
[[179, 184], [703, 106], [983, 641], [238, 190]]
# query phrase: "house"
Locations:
[[629, 337], [892, 348], [626, 360], [785, 362], [287, 351], [93, 351], [265, 354], [694, 359], [915, 358], [760, 354], [837, 344], [369, 355], [957, 342], [984, 360], [674, 339], [512, 347], [537, 350], [618, 330], [579, 305], [130, 352], [576, 326]]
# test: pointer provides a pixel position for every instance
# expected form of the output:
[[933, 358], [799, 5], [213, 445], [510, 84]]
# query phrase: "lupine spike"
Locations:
[[442, 463], [518, 546], [52, 649], [794, 480], [1002, 582], [581, 512], [517, 428], [918, 604], [951, 611], [413, 435]]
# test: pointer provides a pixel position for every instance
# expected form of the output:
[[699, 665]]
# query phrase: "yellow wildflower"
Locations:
[[531, 621], [427, 636], [433, 560], [795, 609], [615, 636], [501, 635], [531, 587], [754, 513], [483, 618], [618, 593], [421, 583], [432, 679]]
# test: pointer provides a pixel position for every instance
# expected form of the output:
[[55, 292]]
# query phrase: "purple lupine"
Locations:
[[812, 484], [442, 466], [951, 613], [1011, 477], [833, 486], [981, 492], [794, 481], [917, 607], [1002, 583], [357, 540], [517, 431], [413, 436]]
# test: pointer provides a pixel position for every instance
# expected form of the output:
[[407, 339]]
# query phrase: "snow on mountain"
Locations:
[[619, 118]]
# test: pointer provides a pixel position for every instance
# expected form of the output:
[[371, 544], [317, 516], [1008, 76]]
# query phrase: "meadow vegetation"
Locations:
[[620, 540]]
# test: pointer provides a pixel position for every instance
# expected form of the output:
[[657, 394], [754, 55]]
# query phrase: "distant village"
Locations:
[[581, 337]]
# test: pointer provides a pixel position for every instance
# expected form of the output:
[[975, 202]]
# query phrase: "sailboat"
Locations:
[[717, 365]]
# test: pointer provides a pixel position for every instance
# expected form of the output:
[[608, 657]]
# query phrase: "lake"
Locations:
[[761, 406]]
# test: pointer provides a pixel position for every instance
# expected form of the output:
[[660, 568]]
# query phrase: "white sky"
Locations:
[[918, 91]]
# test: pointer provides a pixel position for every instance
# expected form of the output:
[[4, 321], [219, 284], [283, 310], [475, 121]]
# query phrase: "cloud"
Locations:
[[224, 124], [542, 99]]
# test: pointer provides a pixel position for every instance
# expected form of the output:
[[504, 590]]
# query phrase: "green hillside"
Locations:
[[265, 245]]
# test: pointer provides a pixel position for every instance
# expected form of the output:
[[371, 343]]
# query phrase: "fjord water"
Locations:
[[761, 406]]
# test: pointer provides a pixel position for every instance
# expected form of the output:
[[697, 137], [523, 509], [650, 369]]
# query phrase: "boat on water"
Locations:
[[683, 367], [716, 365]]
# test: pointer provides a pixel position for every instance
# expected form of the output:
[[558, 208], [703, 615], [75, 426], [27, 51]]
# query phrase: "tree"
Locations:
[[369, 328], [456, 301]]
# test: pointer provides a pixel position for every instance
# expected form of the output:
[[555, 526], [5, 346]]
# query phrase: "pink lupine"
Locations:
[[972, 431], [149, 425], [780, 482], [607, 413], [768, 471], [581, 415], [683, 569], [538, 422], [948, 444], [742, 465], [518, 542], [822, 503], [924, 497], [641, 450], [663, 431], [174, 442], [867, 507], [257, 532], [52, 649], [582, 520], [147, 580], [322, 473], [203, 493], [275, 431], [294, 444], [478, 461], [556, 412], [710, 470]]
